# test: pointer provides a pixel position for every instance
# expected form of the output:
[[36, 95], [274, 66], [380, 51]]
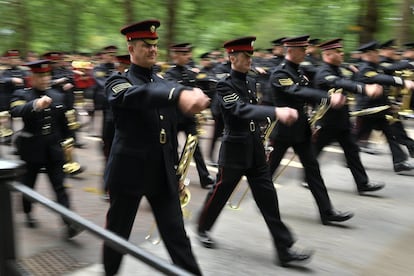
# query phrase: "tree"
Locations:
[[404, 30]]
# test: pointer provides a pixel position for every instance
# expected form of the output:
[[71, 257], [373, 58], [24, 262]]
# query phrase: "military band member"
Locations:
[[242, 153], [14, 77], [290, 87], [182, 73], [144, 152], [42, 110], [335, 125], [370, 72]]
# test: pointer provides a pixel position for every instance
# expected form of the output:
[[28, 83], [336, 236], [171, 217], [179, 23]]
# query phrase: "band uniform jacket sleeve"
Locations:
[[329, 77], [241, 143], [144, 150], [290, 88], [43, 130], [372, 73]]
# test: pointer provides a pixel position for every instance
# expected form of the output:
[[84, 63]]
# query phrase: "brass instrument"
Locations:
[[4, 119], [369, 111], [70, 167], [73, 124], [183, 182], [322, 109], [182, 169]]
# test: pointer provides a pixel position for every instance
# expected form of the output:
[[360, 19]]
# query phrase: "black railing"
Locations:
[[9, 171]]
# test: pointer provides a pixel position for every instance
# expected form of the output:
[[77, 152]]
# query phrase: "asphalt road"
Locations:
[[379, 240]]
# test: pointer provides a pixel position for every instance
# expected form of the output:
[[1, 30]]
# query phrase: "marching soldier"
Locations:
[[335, 124], [185, 75], [13, 77], [370, 72], [42, 110], [290, 87], [242, 153], [144, 151]]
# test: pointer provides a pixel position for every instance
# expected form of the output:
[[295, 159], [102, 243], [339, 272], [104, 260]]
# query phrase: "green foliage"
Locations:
[[87, 26]]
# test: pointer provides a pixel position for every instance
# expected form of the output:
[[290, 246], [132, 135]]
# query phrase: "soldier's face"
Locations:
[[241, 62], [41, 81], [298, 54], [143, 54]]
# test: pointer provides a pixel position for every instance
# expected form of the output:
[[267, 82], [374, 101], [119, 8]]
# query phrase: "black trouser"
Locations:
[[264, 194], [311, 167], [401, 135], [167, 212], [218, 132], [366, 124], [351, 151], [56, 177]]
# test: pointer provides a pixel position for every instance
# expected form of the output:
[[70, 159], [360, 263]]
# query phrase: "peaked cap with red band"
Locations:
[[181, 47], [142, 30], [39, 66], [12, 53], [53, 56], [331, 44], [243, 44], [125, 59], [298, 41]]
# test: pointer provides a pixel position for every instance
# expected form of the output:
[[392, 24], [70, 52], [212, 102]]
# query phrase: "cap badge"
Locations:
[[152, 29]]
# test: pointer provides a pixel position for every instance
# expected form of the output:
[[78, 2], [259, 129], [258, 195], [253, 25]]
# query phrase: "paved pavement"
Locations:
[[379, 240]]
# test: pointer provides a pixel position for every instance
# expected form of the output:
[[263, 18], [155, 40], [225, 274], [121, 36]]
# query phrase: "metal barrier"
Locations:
[[9, 171]]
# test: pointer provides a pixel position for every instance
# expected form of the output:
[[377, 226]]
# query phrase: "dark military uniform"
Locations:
[[242, 153], [144, 155], [335, 124], [370, 72], [290, 89], [39, 141]]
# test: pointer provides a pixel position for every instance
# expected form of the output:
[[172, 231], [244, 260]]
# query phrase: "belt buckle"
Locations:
[[163, 136], [252, 126]]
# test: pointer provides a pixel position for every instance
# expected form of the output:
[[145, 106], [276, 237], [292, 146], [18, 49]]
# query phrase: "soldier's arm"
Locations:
[[231, 102], [283, 83]]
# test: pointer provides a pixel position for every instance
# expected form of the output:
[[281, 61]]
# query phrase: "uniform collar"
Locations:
[[140, 70], [238, 75]]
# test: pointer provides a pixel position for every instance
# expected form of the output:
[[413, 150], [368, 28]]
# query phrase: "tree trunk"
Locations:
[[129, 12], [23, 26], [404, 30], [171, 22], [368, 20]]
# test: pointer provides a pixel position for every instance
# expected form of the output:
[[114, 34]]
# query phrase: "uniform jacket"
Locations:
[[330, 76], [8, 87], [241, 145], [372, 73], [144, 151], [101, 73], [290, 88], [43, 130]]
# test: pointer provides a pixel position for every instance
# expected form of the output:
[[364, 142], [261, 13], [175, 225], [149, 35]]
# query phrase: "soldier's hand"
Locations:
[[337, 100], [373, 90], [286, 115], [43, 102], [67, 86], [17, 81], [193, 101], [409, 84]]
